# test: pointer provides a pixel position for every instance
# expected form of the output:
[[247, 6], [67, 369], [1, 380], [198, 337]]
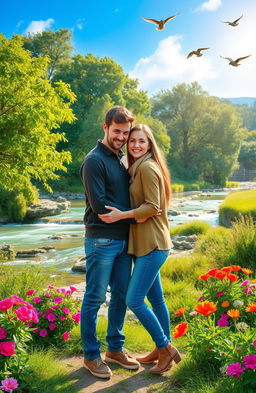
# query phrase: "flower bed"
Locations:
[[221, 329]]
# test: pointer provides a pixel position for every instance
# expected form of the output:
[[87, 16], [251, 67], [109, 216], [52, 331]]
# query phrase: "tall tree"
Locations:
[[205, 133], [54, 44], [247, 156], [30, 108]]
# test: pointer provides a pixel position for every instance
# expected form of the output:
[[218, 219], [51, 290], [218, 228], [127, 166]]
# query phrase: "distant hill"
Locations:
[[241, 100]]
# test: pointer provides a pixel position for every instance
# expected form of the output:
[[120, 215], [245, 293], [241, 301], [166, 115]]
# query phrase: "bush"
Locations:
[[19, 208], [191, 228], [231, 184], [237, 204], [227, 246], [177, 187], [58, 312]]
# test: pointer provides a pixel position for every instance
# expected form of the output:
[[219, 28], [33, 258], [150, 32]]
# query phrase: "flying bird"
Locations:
[[196, 52], [235, 22], [235, 63], [160, 23]]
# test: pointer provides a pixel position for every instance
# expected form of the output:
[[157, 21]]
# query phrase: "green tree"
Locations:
[[248, 115], [247, 156], [30, 108], [54, 44], [205, 133]]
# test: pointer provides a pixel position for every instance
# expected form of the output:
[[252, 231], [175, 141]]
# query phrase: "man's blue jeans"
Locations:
[[107, 263], [146, 281]]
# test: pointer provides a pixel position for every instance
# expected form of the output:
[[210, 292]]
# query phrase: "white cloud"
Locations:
[[168, 66], [210, 5], [80, 26], [37, 26]]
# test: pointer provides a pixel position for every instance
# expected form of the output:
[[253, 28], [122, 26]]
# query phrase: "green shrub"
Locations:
[[236, 245], [19, 208], [231, 184], [177, 187], [192, 187], [237, 204], [191, 228]]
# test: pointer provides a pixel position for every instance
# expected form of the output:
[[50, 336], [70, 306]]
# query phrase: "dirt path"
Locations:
[[122, 381]]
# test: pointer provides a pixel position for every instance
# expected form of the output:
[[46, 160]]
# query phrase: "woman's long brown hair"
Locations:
[[157, 155]]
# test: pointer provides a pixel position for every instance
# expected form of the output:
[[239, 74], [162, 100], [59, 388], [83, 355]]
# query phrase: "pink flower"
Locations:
[[51, 317], [35, 318], [235, 369], [50, 287], [40, 313], [52, 326], [37, 299], [76, 317], [222, 322], [17, 300], [30, 292], [62, 318], [200, 298], [35, 330], [58, 300], [9, 384], [73, 289], [55, 307], [66, 310], [48, 294], [24, 314], [244, 283], [6, 304], [250, 361], [193, 313], [221, 293], [66, 336], [68, 292], [3, 333], [224, 315], [254, 343], [7, 348], [249, 291], [43, 333]]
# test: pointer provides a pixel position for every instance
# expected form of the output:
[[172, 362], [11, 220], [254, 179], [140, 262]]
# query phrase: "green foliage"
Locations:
[[190, 228], [231, 246], [54, 44], [237, 204], [231, 184], [177, 187], [13, 281], [205, 133], [31, 107]]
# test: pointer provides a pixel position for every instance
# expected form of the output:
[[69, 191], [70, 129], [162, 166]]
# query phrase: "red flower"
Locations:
[[232, 277], [235, 268], [227, 269], [212, 272], [180, 329], [204, 276], [206, 308], [251, 307], [181, 310], [220, 274]]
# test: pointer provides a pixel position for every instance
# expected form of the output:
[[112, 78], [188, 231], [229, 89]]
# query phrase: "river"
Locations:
[[193, 206]]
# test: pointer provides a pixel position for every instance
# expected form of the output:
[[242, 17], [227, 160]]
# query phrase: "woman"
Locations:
[[149, 242]]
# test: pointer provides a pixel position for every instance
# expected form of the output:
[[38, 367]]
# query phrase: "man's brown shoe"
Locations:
[[122, 358], [150, 358], [98, 368]]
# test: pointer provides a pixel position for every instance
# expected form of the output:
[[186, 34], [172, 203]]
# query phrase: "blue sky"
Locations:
[[115, 28]]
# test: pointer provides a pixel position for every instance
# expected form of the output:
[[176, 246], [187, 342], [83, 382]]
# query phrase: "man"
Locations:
[[106, 182]]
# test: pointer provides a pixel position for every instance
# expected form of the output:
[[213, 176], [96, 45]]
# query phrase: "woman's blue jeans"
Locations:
[[107, 263], [146, 281]]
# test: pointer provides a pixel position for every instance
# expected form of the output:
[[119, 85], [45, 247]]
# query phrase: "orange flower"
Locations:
[[226, 269], [206, 308], [225, 304], [247, 271], [232, 277], [251, 307], [234, 313], [180, 329], [181, 310], [235, 268], [212, 272], [204, 276], [220, 274]]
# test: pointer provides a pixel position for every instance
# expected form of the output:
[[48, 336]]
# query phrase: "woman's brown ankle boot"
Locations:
[[166, 356], [150, 358]]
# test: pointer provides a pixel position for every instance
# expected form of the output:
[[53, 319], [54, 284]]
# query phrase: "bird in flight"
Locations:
[[196, 52], [235, 63], [235, 22], [160, 23]]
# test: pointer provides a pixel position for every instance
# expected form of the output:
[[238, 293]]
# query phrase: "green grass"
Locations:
[[237, 204], [190, 228], [49, 374]]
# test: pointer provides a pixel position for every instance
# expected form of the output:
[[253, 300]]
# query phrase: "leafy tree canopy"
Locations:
[[30, 108]]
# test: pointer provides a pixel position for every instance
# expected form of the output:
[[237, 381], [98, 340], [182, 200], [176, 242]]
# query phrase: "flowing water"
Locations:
[[196, 206]]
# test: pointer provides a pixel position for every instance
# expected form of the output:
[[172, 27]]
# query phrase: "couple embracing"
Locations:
[[127, 240]]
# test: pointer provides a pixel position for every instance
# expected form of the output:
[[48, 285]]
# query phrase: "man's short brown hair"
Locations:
[[119, 114]]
